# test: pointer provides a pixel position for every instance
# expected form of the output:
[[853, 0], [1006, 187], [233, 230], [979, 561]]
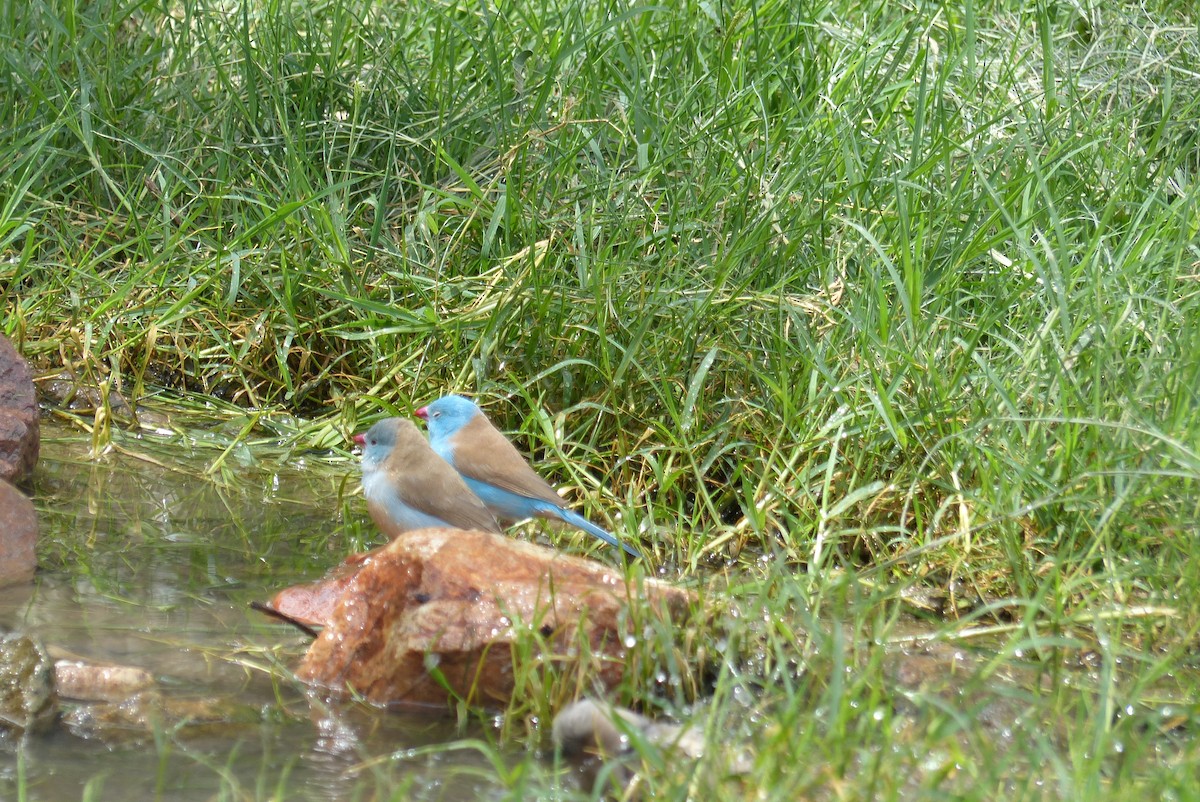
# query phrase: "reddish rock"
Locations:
[[314, 604], [18, 536], [18, 415], [436, 612]]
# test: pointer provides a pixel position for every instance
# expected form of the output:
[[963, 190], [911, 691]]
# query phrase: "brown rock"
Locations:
[[437, 611], [18, 415], [314, 604], [92, 682], [18, 536]]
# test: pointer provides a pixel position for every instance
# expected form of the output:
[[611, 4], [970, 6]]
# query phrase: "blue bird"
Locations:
[[410, 487], [494, 470]]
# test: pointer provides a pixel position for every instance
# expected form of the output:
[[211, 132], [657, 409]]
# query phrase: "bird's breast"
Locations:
[[374, 482]]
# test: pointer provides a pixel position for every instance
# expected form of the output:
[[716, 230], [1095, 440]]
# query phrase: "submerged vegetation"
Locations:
[[865, 310]]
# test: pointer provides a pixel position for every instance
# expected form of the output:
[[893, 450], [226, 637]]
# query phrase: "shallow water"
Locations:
[[147, 561]]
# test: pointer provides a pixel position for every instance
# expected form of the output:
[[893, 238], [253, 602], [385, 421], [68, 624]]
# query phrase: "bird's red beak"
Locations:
[[361, 439], [422, 413]]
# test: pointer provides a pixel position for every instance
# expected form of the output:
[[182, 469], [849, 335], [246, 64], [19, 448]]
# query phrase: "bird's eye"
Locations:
[[437, 414]]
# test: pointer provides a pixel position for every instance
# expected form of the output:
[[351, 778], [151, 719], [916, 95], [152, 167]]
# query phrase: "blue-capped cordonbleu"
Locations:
[[494, 469], [408, 486]]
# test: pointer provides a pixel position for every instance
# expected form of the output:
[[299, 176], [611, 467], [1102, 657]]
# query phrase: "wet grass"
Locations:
[[849, 313]]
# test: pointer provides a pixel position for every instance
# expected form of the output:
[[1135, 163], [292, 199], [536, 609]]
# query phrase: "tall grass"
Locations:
[[905, 290]]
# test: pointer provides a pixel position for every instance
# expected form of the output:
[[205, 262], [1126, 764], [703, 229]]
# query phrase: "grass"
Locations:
[[825, 302]]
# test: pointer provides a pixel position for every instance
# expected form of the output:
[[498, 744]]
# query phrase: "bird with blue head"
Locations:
[[495, 471]]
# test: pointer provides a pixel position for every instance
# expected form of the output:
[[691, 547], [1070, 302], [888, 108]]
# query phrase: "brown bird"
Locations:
[[408, 486]]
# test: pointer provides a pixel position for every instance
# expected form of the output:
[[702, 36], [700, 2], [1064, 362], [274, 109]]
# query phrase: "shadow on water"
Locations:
[[145, 560]]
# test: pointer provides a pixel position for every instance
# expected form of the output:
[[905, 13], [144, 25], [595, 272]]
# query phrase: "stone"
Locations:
[[588, 726], [93, 682], [609, 745], [435, 615], [314, 604], [599, 739], [67, 390], [18, 536], [26, 691], [18, 415]]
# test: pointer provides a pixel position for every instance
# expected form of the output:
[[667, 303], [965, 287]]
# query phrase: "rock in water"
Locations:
[[26, 691], [18, 456], [18, 415], [608, 745], [18, 536], [434, 615]]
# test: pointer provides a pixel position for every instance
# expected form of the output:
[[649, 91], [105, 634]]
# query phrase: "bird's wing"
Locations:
[[432, 487], [484, 454]]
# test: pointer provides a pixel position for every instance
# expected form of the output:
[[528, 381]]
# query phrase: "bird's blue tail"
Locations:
[[578, 521]]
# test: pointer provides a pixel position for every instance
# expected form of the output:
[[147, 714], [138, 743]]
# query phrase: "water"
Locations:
[[148, 558]]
